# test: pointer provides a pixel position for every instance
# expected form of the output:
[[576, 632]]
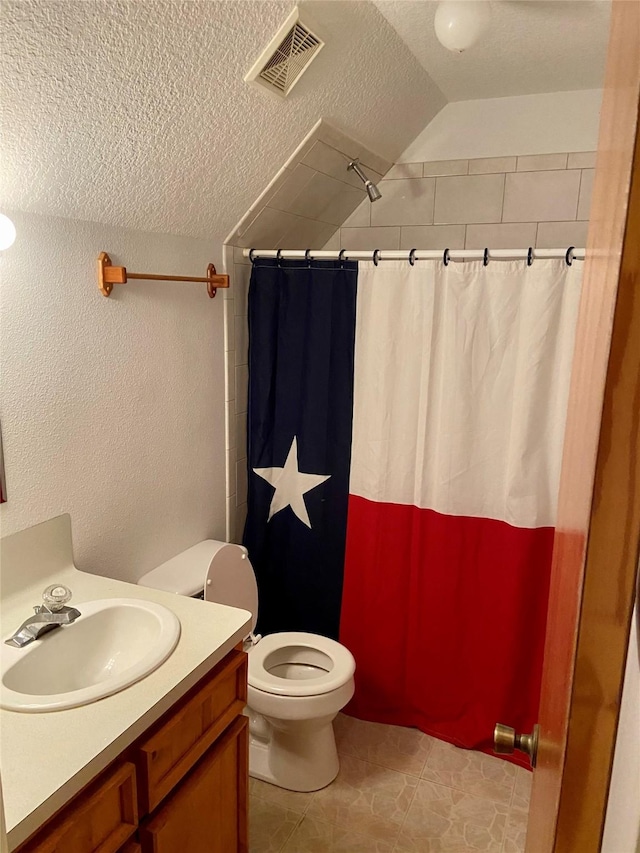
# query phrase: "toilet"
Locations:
[[297, 681]]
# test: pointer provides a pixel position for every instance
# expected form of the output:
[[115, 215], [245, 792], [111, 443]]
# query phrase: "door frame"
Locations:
[[597, 540]]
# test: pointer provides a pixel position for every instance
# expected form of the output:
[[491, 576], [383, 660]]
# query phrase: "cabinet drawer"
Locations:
[[99, 821], [207, 813], [164, 758]]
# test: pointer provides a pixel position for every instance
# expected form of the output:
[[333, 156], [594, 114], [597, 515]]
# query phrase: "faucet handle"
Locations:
[[56, 596]]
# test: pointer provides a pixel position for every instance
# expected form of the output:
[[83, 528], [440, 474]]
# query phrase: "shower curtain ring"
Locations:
[[446, 258], [307, 257], [530, 256], [569, 256], [412, 256], [341, 258], [376, 256], [279, 257], [485, 258], [252, 256]]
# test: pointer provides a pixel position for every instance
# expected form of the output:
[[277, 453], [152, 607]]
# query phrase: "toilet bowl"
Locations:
[[297, 681]]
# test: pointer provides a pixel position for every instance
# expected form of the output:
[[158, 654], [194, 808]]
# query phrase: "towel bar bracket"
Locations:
[[108, 275]]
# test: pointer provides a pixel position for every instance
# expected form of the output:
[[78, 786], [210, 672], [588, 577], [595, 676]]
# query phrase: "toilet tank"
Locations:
[[222, 570]]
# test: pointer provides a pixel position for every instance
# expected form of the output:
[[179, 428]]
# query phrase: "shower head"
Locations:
[[372, 190]]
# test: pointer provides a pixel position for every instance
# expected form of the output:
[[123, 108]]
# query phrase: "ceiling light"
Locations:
[[7, 232], [460, 23]]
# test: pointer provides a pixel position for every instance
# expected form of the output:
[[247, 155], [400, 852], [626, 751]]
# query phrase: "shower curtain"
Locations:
[[405, 438]]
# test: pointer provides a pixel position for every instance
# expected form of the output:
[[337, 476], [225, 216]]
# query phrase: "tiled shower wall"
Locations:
[[503, 203]]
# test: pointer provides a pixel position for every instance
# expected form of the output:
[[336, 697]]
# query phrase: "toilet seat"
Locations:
[[299, 649]]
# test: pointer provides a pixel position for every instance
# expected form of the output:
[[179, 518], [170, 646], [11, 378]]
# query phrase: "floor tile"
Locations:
[[315, 836], [472, 772], [395, 747], [297, 801], [445, 820], [270, 826], [522, 790], [365, 798], [516, 832]]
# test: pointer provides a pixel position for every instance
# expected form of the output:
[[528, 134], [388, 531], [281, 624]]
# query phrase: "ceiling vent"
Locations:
[[286, 58]]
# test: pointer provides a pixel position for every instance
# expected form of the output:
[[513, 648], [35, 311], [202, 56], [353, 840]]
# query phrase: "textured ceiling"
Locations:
[[136, 114], [530, 47]]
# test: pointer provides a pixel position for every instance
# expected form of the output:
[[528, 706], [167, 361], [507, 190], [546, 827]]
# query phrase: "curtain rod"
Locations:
[[445, 255]]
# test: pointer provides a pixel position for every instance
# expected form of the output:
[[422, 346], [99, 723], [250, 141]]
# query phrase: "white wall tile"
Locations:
[[241, 517], [306, 234], [267, 229], [238, 257], [370, 238], [445, 167], [470, 198], [242, 387], [231, 471], [231, 514], [230, 427], [542, 162], [586, 190], [241, 434], [561, 235], [541, 196], [491, 165], [500, 236], [361, 216], [294, 183], [331, 162], [320, 199], [343, 205], [432, 237], [241, 278], [404, 202], [404, 170], [582, 160], [241, 479], [230, 377], [229, 336], [333, 243], [242, 340]]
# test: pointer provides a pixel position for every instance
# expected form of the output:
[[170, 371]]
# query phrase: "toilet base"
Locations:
[[299, 757]]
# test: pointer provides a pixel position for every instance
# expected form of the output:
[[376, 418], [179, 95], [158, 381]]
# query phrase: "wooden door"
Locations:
[[598, 528], [207, 813]]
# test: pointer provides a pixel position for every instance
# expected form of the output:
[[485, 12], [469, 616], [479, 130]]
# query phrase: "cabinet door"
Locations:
[[98, 821], [207, 813]]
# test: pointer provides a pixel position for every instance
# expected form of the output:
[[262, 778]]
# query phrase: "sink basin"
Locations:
[[114, 643]]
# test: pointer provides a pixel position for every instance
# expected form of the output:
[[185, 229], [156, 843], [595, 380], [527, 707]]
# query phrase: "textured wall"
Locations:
[[112, 409], [136, 114]]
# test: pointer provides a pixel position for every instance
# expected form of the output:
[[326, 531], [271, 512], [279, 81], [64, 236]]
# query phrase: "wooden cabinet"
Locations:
[[207, 811], [181, 787], [101, 818]]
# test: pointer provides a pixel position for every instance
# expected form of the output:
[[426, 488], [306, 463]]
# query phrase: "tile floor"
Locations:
[[398, 791]]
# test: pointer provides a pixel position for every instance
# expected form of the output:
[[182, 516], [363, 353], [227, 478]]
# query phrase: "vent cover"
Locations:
[[287, 57]]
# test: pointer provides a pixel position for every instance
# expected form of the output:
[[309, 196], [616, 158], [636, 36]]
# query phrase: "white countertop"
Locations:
[[46, 758]]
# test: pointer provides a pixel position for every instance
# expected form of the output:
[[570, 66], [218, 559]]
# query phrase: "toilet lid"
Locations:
[[295, 663]]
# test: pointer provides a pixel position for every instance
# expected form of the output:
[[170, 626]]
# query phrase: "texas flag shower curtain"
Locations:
[[405, 435]]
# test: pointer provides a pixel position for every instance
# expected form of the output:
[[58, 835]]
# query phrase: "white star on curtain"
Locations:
[[290, 485]]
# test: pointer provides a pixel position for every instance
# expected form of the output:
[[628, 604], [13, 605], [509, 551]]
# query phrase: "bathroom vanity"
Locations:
[[158, 767], [181, 786]]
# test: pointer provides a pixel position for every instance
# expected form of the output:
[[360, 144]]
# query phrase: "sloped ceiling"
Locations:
[[531, 46], [136, 114]]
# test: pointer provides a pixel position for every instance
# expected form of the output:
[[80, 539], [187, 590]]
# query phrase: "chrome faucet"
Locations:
[[47, 617]]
